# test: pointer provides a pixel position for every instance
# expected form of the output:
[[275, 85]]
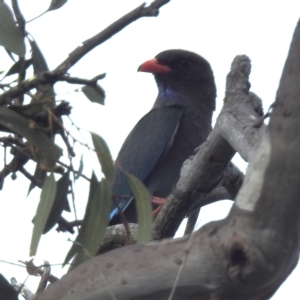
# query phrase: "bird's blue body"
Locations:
[[163, 139]]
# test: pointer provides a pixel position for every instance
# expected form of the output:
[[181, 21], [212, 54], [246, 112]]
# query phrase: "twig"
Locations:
[[33, 179], [141, 11], [56, 75], [72, 170], [64, 225], [44, 277]]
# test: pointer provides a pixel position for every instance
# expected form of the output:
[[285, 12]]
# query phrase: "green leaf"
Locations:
[[16, 68], [43, 211], [44, 92], [143, 207], [104, 157], [38, 59], [94, 223], [10, 55], [60, 201], [7, 292], [94, 95], [46, 152], [10, 36], [55, 4], [75, 247]]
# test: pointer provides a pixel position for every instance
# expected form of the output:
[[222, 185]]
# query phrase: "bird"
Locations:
[[179, 121]]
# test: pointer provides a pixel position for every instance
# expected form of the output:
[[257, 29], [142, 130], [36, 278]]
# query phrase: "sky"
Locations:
[[218, 30]]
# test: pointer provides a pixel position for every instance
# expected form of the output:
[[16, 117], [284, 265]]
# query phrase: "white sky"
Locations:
[[218, 30]]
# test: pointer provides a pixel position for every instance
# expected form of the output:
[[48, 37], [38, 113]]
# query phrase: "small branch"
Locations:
[[44, 277], [22, 289], [34, 270], [64, 225], [117, 236], [141, 11], [58, 74], [21, 157], [76, 80], [72, 170], [33, 179]]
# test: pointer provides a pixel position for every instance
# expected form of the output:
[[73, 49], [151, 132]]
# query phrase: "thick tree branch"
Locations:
[[245, 256]]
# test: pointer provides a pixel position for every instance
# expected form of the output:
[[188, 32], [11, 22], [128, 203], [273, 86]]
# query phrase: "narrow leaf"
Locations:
[[46, 151], [55, 4], [99, 77], [10, 55], [94, 95], [44, 92], [75, 247], [38, 59], [60, 201], [16, 68], [92, 233], [10, 36], [43, 211], [104, 157], [94, 223], [143, 208]]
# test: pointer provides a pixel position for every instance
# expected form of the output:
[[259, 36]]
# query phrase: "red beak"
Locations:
[[154, 66]]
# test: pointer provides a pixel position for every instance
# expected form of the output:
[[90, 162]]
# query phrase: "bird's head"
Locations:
[[182, 75]]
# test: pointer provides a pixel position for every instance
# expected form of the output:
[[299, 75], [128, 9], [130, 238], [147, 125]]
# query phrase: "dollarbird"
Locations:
[[179, 121]]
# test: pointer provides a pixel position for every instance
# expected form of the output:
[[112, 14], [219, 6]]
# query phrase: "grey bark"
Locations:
[[245, 256], [235, 131]]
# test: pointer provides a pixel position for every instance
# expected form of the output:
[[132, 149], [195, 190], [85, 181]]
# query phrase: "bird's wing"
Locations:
[[146, 143]]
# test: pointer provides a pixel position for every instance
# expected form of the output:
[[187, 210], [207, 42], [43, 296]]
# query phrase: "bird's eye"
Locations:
[[185, 63]]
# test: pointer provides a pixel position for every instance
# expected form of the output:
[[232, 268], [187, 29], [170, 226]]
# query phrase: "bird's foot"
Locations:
[[160, 202]]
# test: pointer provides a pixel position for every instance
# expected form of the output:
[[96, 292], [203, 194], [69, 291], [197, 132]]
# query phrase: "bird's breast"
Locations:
[[192, 131]]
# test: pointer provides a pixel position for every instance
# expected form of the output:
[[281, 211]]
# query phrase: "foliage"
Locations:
[[31, 119]]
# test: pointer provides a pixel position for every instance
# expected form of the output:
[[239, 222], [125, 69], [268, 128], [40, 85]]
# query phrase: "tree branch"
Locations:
[[245, 256], [201, 174], [56, 75], [141, 11]]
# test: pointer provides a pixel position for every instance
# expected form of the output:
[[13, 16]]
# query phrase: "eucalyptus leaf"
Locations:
[[46, 152], [94, 95], [94, 223], [60, 202], [43, 210], [56, 4], [143, 207], [44, 92], [10, 36], [38, 59], [104, 157], [16, 68]]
